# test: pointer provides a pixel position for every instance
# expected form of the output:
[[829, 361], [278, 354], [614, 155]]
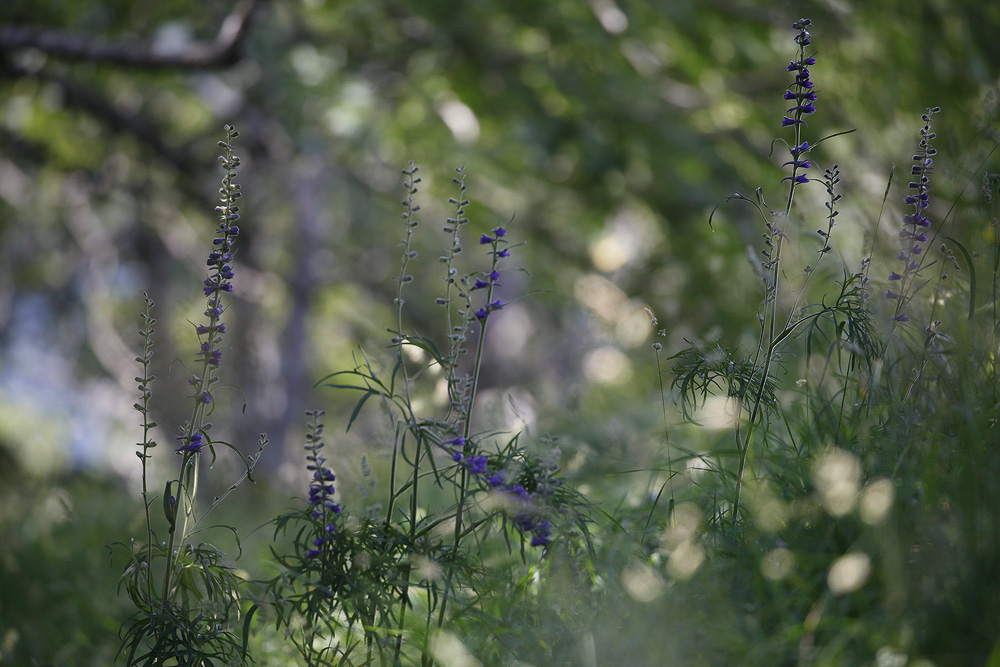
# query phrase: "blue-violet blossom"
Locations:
[[321, 487], [915, 223], [802, 94]]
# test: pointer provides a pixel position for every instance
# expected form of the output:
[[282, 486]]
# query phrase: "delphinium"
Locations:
[[802, 94], [421, 546], [186, 593], [904, 283], [842, 321], [337, 585]]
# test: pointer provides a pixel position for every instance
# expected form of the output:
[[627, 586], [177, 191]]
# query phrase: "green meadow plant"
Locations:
[[862, 465], [853, 521], [385, 585], [186, 594], [842, 324]]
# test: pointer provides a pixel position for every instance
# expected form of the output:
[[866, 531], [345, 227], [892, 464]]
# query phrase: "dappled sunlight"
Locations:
[[599, 295], [837, 475], [849, 573], [770, 513], [449, 650], [777, 563], [680, 542], [460, 119], [607, 365], [876, 501], [718, 413], [642, 582], [685, 560]]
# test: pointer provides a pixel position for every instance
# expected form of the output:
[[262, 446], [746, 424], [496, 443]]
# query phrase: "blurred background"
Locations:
[[602, 133]]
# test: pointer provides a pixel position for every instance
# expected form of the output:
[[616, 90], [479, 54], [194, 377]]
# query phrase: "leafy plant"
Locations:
[[185, 591]]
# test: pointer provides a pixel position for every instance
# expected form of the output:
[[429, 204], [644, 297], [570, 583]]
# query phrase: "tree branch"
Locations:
[[226, 49]]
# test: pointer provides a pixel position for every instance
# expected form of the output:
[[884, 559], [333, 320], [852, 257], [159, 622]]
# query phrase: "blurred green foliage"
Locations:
[[605, 131]]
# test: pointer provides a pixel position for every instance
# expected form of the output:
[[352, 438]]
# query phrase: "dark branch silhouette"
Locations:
[[226, 49]]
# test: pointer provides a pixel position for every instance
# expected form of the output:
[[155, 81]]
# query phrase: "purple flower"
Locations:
[[541, 532], [192, 444], [527, 516], [485, 239], [796, 151], [476, 464], [914, 222], [321, 487], [802, 94], [221, 273]]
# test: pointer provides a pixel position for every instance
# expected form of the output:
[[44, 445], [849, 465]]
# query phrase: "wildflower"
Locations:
[[913, 223], [193, 443], [491, 280], [476, 464], [219, 280], [801, 93], [321, 487], [527, 516], [497, 479], [540, 529]]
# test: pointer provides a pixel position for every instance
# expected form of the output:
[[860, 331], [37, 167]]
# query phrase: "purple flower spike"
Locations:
[[221, 274], [914, 222], [802, 94], [193, 444], [322, 507]]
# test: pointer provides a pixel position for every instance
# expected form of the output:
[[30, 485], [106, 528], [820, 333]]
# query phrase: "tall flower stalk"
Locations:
[[184, 619], [195, 433], [412, 533], [802, 94], [915, 224]]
